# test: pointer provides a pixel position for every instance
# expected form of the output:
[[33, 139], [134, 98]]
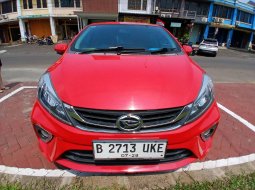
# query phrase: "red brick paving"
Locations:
[[239, 98], [232, 139], [18, 144]]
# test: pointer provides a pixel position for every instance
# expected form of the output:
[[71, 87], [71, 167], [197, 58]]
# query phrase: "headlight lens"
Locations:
[[204, 99], [49, 99]]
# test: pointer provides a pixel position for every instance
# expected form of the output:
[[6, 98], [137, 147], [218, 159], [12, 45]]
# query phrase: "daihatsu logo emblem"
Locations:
[[129, 122]]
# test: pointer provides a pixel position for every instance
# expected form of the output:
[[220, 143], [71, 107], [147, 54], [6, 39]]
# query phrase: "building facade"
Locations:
[[97, 11], [232, 22], [9, 25], [21, 18]]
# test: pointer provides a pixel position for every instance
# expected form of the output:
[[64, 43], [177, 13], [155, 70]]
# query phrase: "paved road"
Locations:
[[229, 66], [28, 62]]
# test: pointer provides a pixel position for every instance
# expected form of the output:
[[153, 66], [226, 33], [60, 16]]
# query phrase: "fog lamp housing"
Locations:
[[44, 135], [209, 133]]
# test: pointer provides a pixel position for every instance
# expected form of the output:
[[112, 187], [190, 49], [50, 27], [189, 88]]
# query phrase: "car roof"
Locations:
[[123, 23], [211, 39]]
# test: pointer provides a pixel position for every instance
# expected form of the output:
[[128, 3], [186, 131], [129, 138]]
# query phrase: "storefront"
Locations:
[[9, 32], [180, 28], [85, 19], [38, 27], [197, 33], [124, 17], [240, 39], [66, 28], [221, 34]]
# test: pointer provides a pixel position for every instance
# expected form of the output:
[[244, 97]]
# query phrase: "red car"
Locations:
[[124, 98]]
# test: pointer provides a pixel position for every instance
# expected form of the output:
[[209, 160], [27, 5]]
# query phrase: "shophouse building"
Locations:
[[232, 22], [20, 18]]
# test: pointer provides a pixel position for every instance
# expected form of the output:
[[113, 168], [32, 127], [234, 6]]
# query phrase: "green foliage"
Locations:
[[234, 182], [185, 38]]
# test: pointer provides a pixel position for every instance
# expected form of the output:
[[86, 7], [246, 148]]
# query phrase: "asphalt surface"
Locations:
[[27, 62]]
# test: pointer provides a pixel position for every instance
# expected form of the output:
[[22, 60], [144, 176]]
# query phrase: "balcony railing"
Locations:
[[175, 13], [8, 17], [201, 19]]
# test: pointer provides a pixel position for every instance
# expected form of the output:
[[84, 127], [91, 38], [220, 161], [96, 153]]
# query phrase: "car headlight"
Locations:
[[49, 99], [203, 101]]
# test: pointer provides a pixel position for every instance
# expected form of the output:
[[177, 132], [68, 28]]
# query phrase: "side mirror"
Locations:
[[60, 48], [187, 49]]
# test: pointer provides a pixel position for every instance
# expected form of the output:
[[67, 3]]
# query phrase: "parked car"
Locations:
[[124, 98], [209, 46]]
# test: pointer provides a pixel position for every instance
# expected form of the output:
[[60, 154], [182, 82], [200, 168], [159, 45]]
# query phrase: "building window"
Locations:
[[137, 4], [56, 2], [77, 3], [168, 4], [6, 7], [27, 4], [222, 12], [44, 3], [67, 3], [200, 8], [41, 3], [14, 6], [244, 17]]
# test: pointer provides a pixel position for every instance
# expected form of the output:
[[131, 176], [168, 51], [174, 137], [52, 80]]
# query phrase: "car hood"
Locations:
[[126, 82]]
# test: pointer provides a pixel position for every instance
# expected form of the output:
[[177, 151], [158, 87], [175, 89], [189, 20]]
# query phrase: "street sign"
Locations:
[[175, 25]]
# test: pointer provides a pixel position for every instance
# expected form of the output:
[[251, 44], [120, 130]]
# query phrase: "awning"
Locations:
[[96, 15], [34, 16], [227, 26]]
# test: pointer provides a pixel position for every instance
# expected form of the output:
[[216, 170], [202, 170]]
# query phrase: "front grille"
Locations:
[[86, 157], [105, 121]]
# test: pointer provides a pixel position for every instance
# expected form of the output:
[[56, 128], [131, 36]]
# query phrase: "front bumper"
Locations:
[[68, 138]]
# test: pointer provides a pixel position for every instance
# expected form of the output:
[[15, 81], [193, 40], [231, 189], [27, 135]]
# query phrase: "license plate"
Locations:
[[132, 150]]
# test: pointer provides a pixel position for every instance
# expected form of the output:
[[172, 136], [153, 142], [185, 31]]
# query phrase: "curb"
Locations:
[[211, 164]]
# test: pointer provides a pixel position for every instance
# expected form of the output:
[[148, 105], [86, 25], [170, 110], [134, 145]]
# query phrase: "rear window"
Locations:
[[210, 41], [124, 35]]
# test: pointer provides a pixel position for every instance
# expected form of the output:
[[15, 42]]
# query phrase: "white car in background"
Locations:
[[209, 46]]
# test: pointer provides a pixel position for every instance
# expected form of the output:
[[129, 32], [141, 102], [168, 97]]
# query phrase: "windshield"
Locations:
[[125, 37]]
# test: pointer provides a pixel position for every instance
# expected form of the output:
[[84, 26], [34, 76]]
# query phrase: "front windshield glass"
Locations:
[[142, 37]]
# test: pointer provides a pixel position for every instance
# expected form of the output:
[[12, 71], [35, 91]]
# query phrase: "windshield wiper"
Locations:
[[118, 49], [162, 50]]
